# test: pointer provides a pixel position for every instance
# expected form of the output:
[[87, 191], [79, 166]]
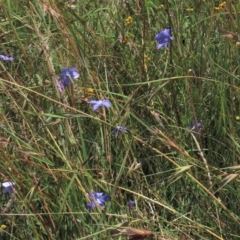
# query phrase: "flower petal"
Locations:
[[91, 205], [119, 129], [93, 102], [97, 198], [106, 103], [98, 194], [122, 128], [5, 58], [106, 198], [163, 38], [97, 105], [159, 46], [65, 79], [60, 87], [8, 184], [70, 72], [8, 187], [73, 73], [64, 71], [131, 203]]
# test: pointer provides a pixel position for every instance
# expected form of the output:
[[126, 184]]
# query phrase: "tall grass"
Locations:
[[57, 149]]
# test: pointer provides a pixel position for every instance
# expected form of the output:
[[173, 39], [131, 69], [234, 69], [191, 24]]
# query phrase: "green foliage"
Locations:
[[57, 149]]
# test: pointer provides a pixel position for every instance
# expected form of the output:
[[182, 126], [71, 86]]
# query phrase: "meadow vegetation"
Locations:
[[171, 171]]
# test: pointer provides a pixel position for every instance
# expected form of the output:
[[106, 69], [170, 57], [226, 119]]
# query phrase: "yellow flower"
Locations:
[[128, 21], [3, 227], [190, 9], [161, 6], [237, 43], [89, 90], [125, 39], [147, 58], [221, 5]]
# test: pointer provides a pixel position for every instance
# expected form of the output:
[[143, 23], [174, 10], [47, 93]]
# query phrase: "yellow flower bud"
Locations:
[[128, 21], [190, 9], [3, 227], [89, 90], [221, 5], [161, 6]]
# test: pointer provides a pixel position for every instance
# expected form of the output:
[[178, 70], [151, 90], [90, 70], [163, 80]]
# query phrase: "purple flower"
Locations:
[[71, 72], [118, 130], [131, 203], [97, 199], [68, 74], [163, 38], [96, 104], [8, 187], [195, 125], [5, 58]]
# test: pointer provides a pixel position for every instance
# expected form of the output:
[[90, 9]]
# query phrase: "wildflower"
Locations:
[[68, 74], [119, 129], [131, 203], [128, 21], [221, 5], [96, 104], [125, 39], [194, 125], [71, 73], [147, 58], [163, 38], [3, 227], [161, 6], [8, 187], [5, 58], [89, 90], [97, 199], [190, 9]]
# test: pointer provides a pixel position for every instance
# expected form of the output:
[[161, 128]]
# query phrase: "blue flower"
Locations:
[[4, 58], [68, 74], [96, 104], [97, 199], [163, 38], [131, 203], [8, 187], [195, 125], [119, 129]]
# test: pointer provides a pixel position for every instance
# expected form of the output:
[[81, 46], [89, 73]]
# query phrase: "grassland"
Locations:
[[56, 148]]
